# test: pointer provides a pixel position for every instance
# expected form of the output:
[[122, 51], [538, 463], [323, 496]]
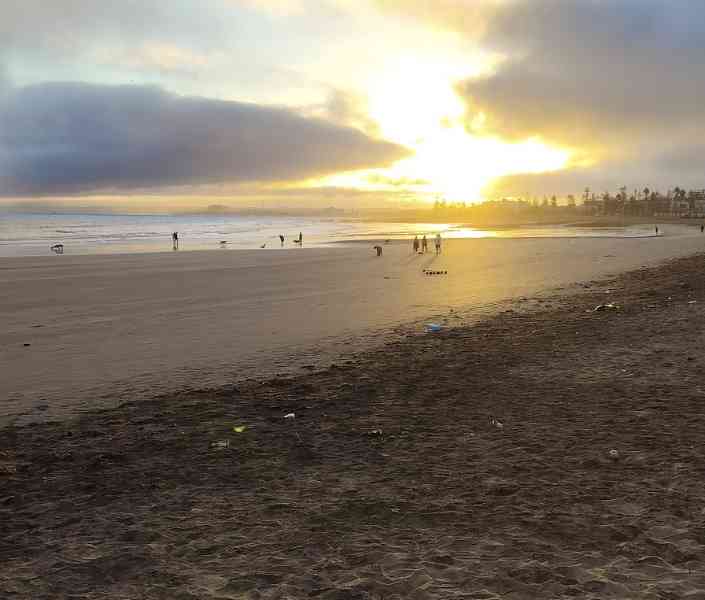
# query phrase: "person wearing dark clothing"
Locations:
[[175, 240], [416, 244], [281, 239], [424, 244]]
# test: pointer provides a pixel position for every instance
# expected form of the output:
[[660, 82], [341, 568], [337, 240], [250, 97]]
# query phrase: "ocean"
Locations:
[[24, 234]]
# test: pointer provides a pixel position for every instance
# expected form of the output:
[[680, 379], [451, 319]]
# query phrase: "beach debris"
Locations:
[[434, 327], [496, 423], [57, 248], [239, 428], [375, 432], [608, 306], [220, 444], [614, 454], [290, 416], [428, 272], [263, 246], [693, 302], [223, 242], [26, 344]]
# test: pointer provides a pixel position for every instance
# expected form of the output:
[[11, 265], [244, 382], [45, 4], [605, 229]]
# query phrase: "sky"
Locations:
[[185, 103]]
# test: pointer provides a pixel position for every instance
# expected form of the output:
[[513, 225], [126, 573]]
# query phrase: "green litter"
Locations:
[[239, 428]]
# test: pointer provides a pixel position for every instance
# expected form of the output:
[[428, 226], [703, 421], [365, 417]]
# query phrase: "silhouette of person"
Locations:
[[702, 228], [424, 244], [379, 250], [416, 244], [281, 239], [438, 243], [301, 239], [656, 229], [175, 240]]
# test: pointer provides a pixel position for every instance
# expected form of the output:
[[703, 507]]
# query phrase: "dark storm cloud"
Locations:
[[594, 73], [63, 138]]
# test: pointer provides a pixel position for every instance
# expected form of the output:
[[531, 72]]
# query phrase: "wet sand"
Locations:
[[550, 451], [104, 327]]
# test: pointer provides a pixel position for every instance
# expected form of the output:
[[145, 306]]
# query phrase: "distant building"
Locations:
[[594, 206], [696, 203]]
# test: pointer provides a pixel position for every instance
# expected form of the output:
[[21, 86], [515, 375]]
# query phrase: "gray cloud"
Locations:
[[4, 80], [69, 26], [594, 73], [681, 166], [63, 138]]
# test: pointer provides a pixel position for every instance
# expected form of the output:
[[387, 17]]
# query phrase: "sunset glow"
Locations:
[[304, 102], [415, 105]]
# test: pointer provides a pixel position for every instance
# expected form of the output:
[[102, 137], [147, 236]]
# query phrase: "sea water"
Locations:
[[24, 234]]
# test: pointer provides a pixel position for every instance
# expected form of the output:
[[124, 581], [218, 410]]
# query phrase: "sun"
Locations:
[[415, 104]]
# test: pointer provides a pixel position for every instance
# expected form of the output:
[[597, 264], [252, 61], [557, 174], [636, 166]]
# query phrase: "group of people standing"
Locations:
[[419, 245], [299, 240], [424, 244]]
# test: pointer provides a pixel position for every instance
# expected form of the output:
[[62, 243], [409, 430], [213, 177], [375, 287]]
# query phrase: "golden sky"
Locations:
[[384, 100]]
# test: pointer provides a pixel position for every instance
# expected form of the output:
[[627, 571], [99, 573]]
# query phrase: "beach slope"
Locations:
[[554, 452], [80, 331]]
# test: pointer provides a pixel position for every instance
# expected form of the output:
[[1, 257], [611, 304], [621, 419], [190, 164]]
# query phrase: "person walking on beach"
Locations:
[[378, 249], [438, 243], [702, 228], [656, 228], [416, 244], [175, 240], [424, 244], [281, 239]]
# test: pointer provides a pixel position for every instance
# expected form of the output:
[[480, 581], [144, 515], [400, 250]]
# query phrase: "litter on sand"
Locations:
[[290, 416], [433, 327], [608, 306], [239, 428]]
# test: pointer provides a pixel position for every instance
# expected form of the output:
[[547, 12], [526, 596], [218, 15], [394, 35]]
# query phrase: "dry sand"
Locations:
[[104, 327], [474, 463]]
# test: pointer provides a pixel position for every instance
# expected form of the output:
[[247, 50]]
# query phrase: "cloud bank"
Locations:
[[63, 138], [621, 82]]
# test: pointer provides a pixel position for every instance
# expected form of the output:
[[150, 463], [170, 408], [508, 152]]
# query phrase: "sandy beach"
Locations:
[[81, 332], [550, 451]]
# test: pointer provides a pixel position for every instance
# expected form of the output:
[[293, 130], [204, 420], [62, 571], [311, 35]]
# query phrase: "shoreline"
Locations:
[[81, 330], [555, 451], [358, 231]]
